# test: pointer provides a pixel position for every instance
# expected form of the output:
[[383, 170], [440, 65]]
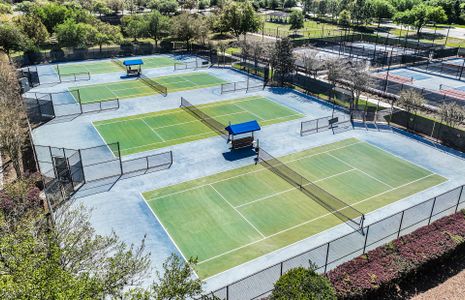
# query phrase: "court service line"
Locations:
[[371, 176], [306, 222], [243, 217]]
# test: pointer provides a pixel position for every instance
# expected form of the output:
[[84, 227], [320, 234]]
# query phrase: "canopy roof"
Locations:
[[245, 127], [133, 62]]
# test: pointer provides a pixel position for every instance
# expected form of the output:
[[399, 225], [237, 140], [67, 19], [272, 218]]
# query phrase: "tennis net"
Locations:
[[118, 63], [154, 85], [206, 119], [339, 208]]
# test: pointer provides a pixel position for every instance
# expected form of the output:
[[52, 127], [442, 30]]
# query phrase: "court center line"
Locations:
[[371, 176], [243, 217], [246, 173], [306, 222]]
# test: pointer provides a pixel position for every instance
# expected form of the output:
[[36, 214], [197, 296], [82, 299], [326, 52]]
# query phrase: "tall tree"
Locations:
[[282, 59], [185, 27], [241, 18], [420, 15], [452, 114], [11, 39], [107, 34], [296, 19], [337, 70], [360, 78], [75, 35], [33, 28], [312, 62], [158, 26], [382, 9]]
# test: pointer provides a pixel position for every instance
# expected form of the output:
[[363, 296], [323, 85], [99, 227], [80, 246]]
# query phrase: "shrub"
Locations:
[[381, 269], [301, 283]]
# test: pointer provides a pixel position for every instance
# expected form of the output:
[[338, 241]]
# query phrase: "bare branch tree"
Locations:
[[412, 102], [13, 128], [312, 63], [337, 70], [452, 113], [359, 75]]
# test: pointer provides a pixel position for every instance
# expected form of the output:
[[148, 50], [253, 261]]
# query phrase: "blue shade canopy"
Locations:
[[245, 127], [133, 62]]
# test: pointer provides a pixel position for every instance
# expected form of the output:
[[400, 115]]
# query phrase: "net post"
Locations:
[[432, 210], [366, 240], [327, 257]]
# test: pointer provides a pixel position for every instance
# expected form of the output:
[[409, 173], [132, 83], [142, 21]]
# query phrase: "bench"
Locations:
[[242, 143]]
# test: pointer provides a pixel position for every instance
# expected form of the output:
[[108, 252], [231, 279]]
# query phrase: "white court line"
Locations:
[[156, 133], [177, 111], [289, 190], [346, 163], [243, 217], [306, 222], [250, 112], [246, 173]]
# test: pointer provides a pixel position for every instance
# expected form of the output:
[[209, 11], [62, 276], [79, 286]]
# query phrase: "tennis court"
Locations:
[[233, 217], [102, 67], [137, 88], [161, 129]]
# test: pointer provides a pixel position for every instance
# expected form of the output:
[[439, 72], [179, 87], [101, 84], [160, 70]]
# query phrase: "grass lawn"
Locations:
[[137, 88], [233, 217], [161, 129]]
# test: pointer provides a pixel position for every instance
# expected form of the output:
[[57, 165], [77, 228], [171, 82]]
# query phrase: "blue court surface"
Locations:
[[410, 74]]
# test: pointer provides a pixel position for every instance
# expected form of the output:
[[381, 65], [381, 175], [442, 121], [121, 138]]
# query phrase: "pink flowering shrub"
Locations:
[[394, 262]]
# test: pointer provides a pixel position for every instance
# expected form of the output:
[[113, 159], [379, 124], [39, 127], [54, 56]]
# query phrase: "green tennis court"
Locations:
[[137, 88], [161, 129], [230, 218], [102, 67]]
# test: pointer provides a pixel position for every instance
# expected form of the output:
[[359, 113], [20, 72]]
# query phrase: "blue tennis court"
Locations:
[[411, 74]]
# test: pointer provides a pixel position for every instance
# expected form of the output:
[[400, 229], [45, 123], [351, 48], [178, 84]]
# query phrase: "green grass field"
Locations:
[[232, 217], [137, 88], [161, 129], [102, 67]]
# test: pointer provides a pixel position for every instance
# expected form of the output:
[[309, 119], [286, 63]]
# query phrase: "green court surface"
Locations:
[[102, 67], [233, 217], [137, 88], [165, 128]]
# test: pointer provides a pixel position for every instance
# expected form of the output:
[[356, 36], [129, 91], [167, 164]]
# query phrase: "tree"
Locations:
[[337, 70], [165, 7], [412, 101], [282, 58], [312, 62], [135, 27], [5, 8], [362, 11], [75, 35], [33, 28], [52, 14], [116, 5], [100, 7], [296, 19], [107, 34], [240, 18], [188, 4], [452, 113], [344, 17], [421, 15], [11, 39], [185, 27], [303, 284], [158, 26], [382, 9], [360, 79]]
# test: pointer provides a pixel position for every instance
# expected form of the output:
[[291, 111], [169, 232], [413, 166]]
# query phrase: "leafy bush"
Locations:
[[302, 284], [383, 268]]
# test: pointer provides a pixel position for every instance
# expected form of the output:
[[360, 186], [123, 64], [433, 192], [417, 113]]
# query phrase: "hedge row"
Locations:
[[378, 272]]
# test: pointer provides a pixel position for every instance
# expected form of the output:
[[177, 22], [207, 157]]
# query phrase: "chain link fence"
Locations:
[[329, 255]]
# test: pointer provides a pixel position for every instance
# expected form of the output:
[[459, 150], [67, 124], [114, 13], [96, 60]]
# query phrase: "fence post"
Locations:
[[327, 257], [227, 292], [432, 210], [458, 201], [400, 224], [366, 239], [281, 269]]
